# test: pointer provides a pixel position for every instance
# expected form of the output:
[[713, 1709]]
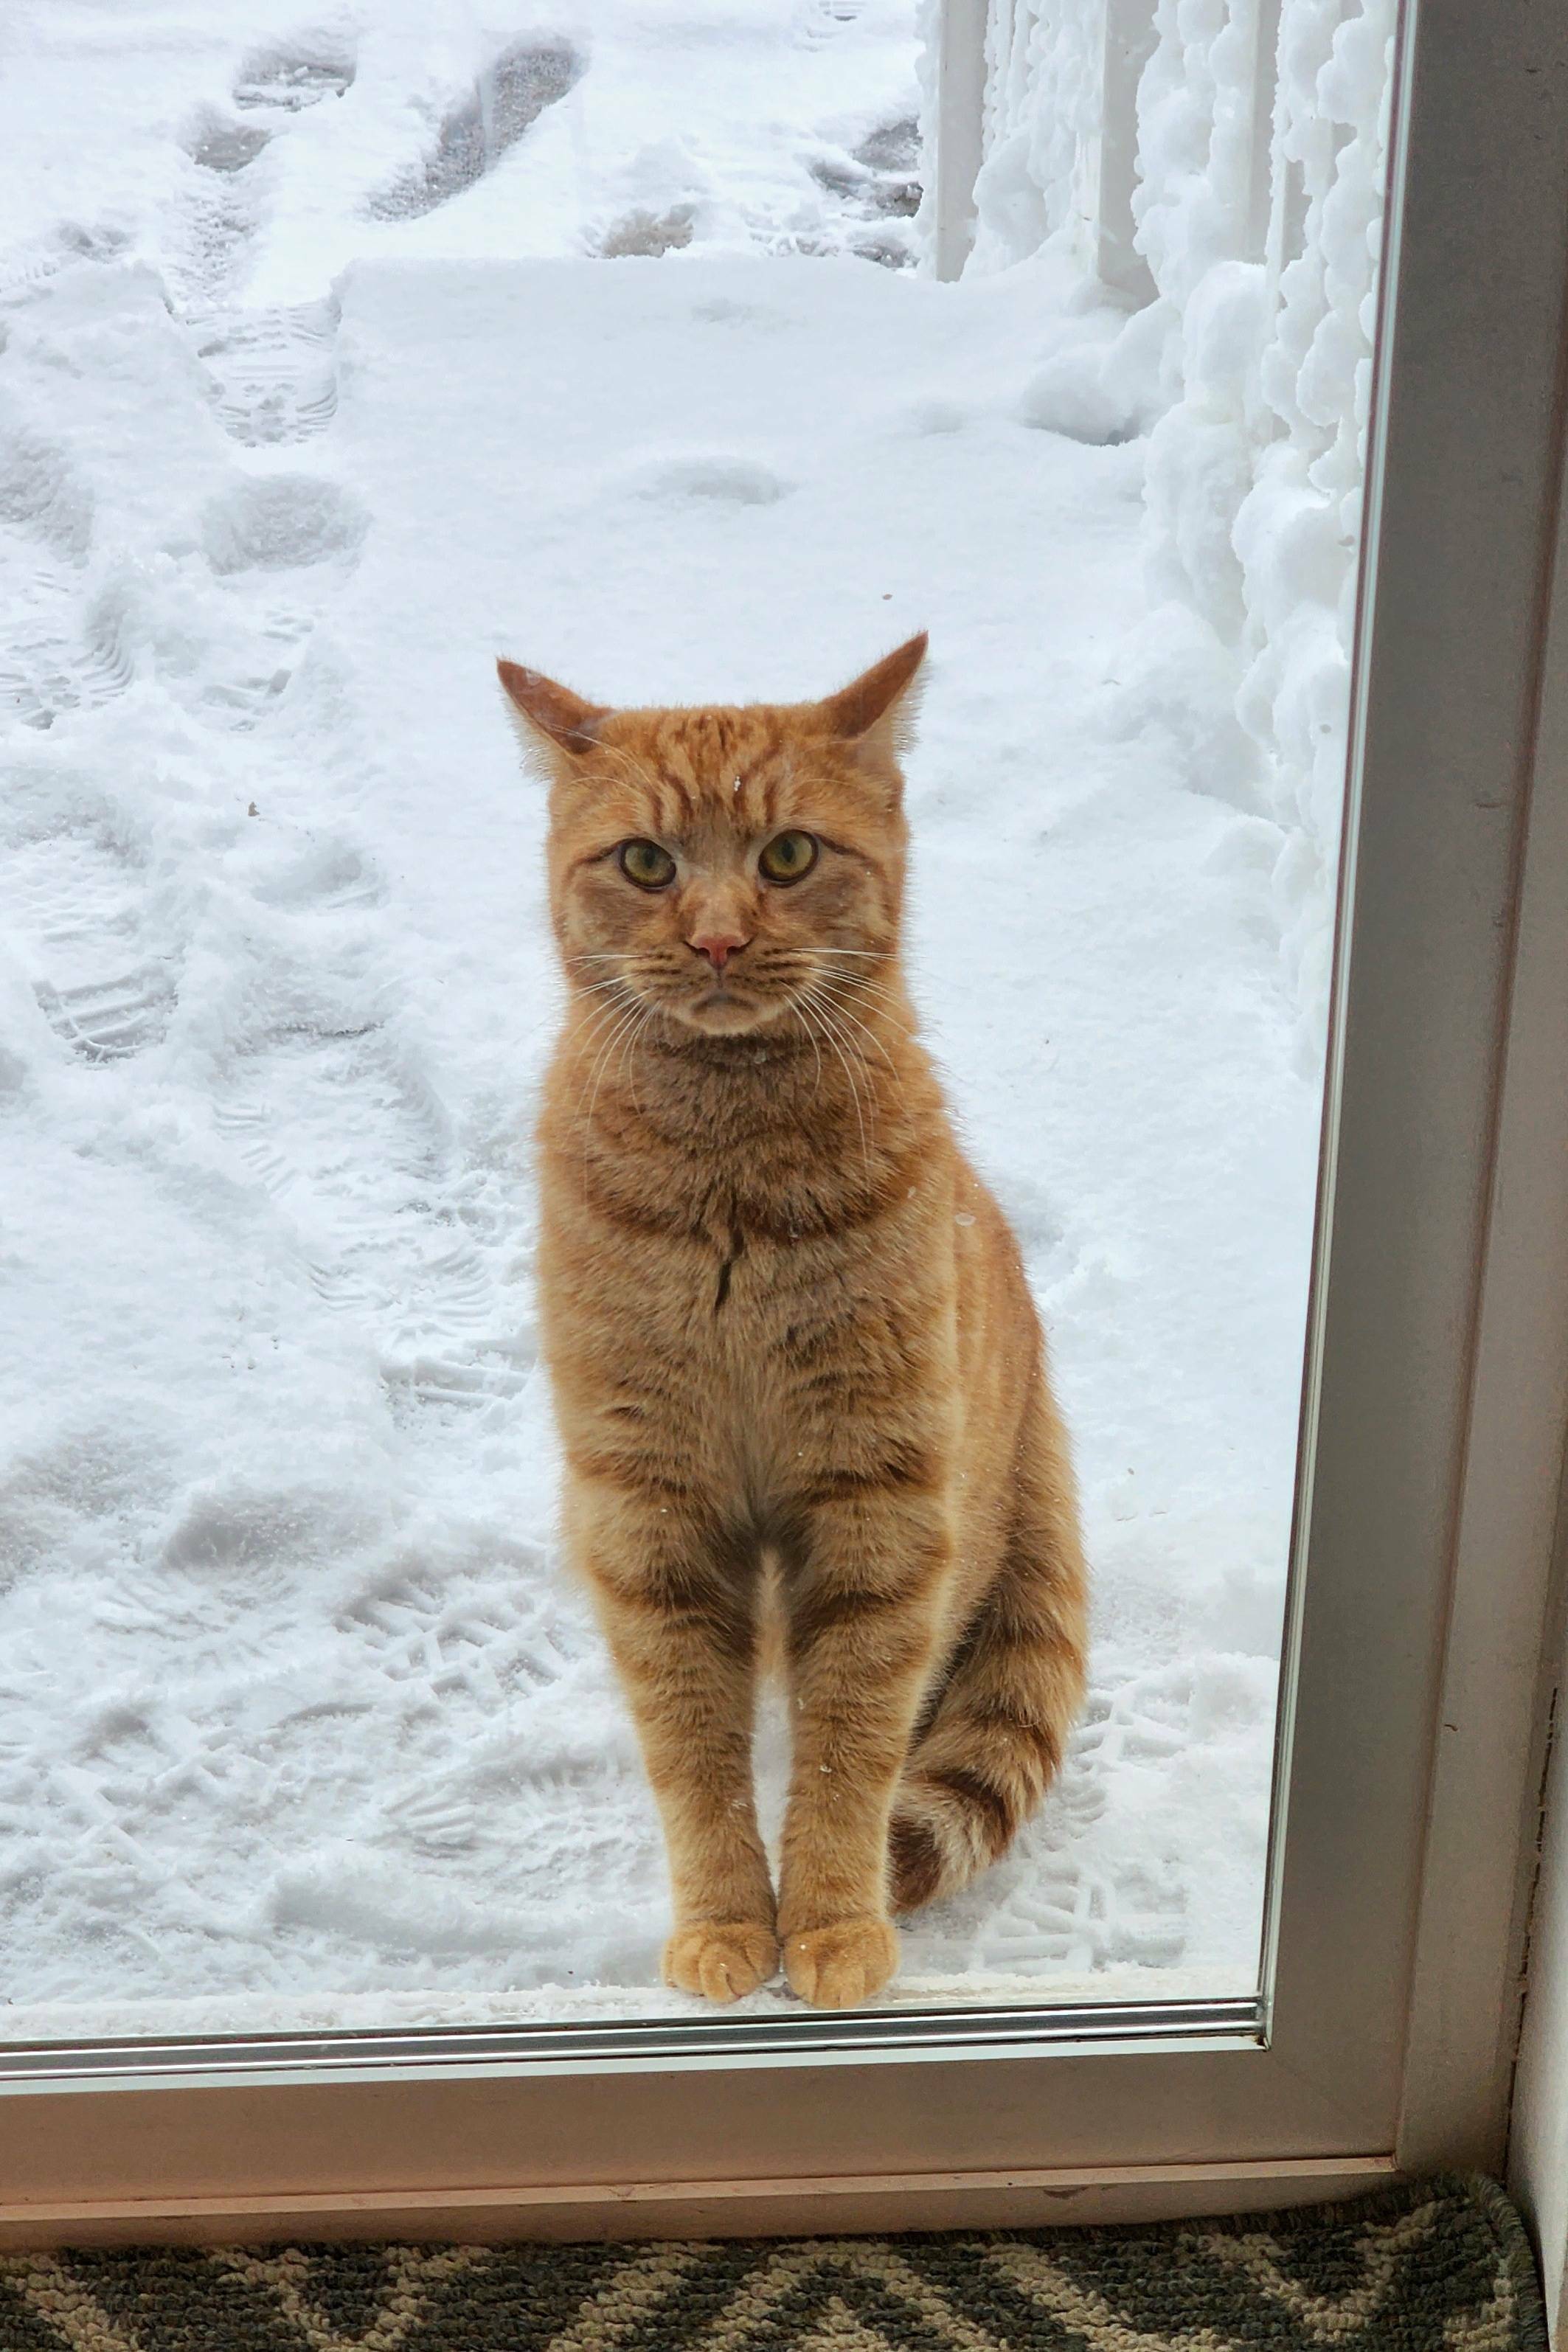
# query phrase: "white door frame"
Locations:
[[1406, 1777]]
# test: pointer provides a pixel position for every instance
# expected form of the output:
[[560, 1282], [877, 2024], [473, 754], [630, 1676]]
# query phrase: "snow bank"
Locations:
[[1254, 194]]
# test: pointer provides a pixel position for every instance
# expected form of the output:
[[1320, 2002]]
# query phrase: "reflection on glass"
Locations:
[[336, 367]]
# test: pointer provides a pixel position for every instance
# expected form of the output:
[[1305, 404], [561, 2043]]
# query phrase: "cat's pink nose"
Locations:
[[718, 947]]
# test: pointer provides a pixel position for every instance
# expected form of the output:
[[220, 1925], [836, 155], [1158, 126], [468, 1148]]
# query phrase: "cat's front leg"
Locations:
[[862, 1602], [678, 1609]]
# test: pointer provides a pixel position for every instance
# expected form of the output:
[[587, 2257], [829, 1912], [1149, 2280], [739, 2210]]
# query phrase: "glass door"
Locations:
[[694, 362]]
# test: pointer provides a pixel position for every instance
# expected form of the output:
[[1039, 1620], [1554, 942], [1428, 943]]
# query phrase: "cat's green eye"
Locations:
[[646, 865], [788, 856]]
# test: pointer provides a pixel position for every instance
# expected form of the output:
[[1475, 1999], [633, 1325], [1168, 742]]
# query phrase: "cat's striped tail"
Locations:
[[982, 1760]]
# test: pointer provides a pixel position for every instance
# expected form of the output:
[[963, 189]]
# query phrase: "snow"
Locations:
[[303, 1723]]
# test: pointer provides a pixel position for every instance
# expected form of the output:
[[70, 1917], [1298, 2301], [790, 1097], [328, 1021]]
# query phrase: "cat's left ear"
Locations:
[[875, 713], [564, 721]]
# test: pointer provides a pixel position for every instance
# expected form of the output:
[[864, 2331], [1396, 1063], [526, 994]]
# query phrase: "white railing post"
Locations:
[[960, 130], [1128, 46], [1265, 77]]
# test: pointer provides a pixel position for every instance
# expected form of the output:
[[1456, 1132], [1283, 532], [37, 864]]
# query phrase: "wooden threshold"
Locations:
[[831, 2204]]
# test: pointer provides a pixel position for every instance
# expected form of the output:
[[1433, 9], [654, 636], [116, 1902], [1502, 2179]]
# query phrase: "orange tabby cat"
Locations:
[[797, 1372]]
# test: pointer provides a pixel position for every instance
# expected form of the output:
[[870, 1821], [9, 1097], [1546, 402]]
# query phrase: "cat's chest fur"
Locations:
[[744, 1255], [717, 1261]]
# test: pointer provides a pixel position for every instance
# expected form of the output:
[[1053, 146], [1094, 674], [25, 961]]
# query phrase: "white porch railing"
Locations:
[[1218, 171]]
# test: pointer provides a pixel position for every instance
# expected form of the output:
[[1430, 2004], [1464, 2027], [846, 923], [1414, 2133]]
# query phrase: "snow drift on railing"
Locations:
[[1256, 137]]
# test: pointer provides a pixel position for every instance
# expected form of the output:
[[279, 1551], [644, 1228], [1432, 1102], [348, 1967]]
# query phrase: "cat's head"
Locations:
[[725, 865]]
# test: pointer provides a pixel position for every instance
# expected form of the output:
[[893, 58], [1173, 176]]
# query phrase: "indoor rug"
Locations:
[[1434, 2266]]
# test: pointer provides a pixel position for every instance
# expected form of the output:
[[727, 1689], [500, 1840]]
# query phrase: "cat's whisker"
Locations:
[[870, 1034], [628, 1050], [608, 992], [835, 1014], [608, 1001], [604, 1021], [892, 999], [889, 1003], [797, 1005], [827, 1015], [838, 1042], [633, 1019], [848, 955], [854, 1092], [597, 1079], [851, 978], [596, 1075], [626, 978]]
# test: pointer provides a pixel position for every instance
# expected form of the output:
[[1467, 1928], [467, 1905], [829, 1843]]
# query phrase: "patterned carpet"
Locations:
[[1438, 2266]]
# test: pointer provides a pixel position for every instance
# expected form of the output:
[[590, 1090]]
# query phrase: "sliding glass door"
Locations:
[[1138, 370]]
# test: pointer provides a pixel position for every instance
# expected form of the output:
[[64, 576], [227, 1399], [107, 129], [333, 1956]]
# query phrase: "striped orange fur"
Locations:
[[798, 1375]]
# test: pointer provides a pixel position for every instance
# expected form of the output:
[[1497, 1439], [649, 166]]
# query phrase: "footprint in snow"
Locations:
[[297, 72], [230, 1527], [721, 481], [723, 311], [226, 147], [282, 522], [495, 1618], [46, 256], [54, 662], [1049, 1904], [53, 659], [647, 235], [434, 1822], [337, 1129], [41, 496], [876, 183], [274, 372], [74, 907], [320, 876], [505, 100], [818, 22], [215, 214]]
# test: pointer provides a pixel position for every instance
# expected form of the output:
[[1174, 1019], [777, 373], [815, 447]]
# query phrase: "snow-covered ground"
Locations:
[[341, 354]]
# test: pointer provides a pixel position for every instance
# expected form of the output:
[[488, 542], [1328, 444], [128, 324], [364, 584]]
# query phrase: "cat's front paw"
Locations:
[[842, 1965], [721, 1960]]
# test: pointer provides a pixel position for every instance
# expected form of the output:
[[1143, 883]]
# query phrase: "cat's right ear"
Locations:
[[551, 711]]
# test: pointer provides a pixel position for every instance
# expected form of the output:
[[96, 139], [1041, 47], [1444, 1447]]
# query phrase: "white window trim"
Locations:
[[1501, 1663], [1537, 1099]]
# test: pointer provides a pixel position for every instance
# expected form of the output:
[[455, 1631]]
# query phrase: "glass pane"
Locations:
[[340, 363]]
